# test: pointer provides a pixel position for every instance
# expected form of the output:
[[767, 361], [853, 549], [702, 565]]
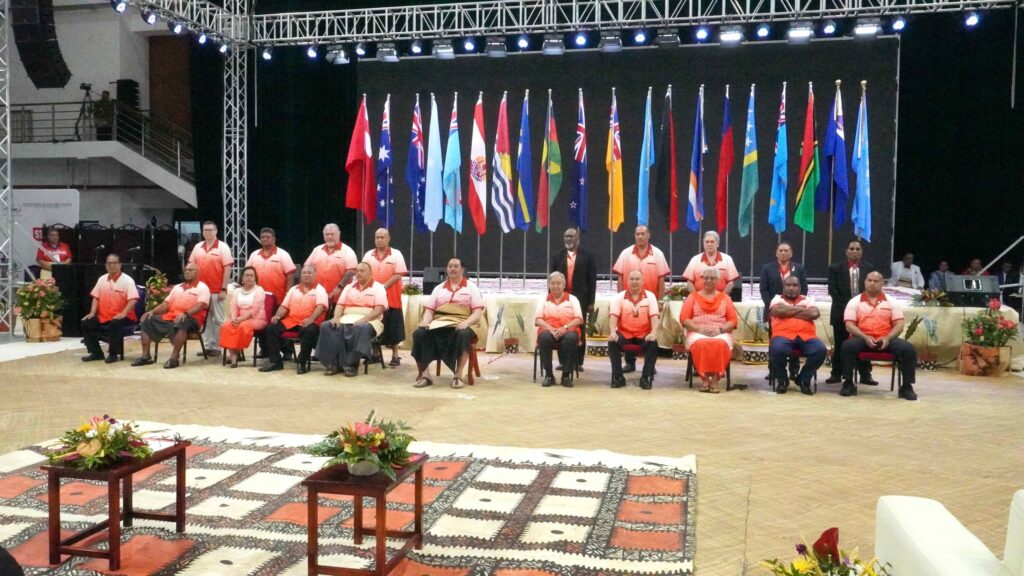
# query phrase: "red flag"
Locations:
[[361, 193], [478, 170], [725, 161]]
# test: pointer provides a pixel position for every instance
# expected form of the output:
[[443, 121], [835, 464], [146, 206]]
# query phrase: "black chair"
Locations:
[[573, 374], [690, 371], [376, 353], [192, 335]]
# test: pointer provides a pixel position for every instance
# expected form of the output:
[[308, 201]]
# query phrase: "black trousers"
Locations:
[[839, 336], [307, 340], [566, 351], [903, 350], [115, 334], [650, 348]]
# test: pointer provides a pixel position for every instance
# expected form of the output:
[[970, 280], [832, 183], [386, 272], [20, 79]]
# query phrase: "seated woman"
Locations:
[[709, 318], [247, 316], [357, 320], [446, 331], [558, 320]]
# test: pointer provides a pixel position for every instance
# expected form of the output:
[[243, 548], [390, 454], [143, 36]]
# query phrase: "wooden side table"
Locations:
[[118, 510], [337, 480]]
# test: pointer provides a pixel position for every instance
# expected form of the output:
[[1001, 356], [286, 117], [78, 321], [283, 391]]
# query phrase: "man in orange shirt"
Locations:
[[52, 251], [792, 317], [651, 263], [335, 262], [113, 306], [874, 324], [302, 310], [274, 266], [183, 311], [347, 337], [214, 260], [633, 319], [558, 320], [388, 266]]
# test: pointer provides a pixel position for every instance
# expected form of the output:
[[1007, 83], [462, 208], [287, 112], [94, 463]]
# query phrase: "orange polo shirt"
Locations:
[[331, 264], [211, 262], [184, 296], [636, 317], [371, 296], [876, 319], [272, 270], [793, 328], [698, 264], [301, 302], [465, 294], [56, 254], [386, 266], [652, 266], [112, 294], [559, 312]]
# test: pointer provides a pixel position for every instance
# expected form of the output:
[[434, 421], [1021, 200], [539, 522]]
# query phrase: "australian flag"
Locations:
[[415, 167], [385, 200]]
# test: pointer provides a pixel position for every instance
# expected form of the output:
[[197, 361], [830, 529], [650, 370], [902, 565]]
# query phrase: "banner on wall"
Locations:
[[32, 208]]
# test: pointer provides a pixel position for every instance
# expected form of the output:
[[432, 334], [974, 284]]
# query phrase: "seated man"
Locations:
[[357, 319], [937, 280], [446, 331], [633, 319], [906, 274], [558, 317], [793, 317], [113, 306], [302, 310], [874, 324], [182, 312]]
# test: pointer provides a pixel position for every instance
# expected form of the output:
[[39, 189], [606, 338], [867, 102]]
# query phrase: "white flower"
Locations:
[[90, 434]]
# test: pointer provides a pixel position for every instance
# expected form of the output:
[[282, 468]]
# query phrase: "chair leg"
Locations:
[[728, 377], [535, 358], [156, 350], [202, 347], [474, 367], [689, 370], [892, 379]]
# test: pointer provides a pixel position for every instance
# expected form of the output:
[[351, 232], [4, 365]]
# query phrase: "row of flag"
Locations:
[[435, 179]]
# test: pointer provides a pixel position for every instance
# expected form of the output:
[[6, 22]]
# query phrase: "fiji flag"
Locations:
[[415, 168], [385, 199], [780, 176], [695, 195], [578, 202], [524, 198]]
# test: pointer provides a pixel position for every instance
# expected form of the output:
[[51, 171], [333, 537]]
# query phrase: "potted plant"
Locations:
[[597, 344], [830, 346], [825, 558], [100, 443], [679, 346], [677, 292], [157, 290], [755, 350], [926, 359], [511, 340], [38, 303], [367, 447], [984, 353]]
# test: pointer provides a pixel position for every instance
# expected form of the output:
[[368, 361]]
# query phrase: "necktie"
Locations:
[[854, 280]]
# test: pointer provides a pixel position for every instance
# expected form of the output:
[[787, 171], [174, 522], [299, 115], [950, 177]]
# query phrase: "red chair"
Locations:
[[474, 365], [792, 354], [872, 356]]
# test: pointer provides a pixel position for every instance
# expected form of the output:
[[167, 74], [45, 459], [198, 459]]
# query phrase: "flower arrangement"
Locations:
[[677, 292], [988, 327], [40, 299], [412, 289], [385, 444], [157, 290], [100, 443], [825, 558], [931, 298]]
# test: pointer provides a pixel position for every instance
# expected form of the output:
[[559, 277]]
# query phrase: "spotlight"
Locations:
[[702, 33], [667, 38], [639, 37], [361, 49], [731, 35], [119, 6], [580, 39], [225, 46], [800, 32], [176, 27], [523, 42], [899, 24], [611, 42], [972, 19], [336, 55], [829, 28], [386, 52], [417, 47], [496, 47], [311, 52], [267, 53], [443, 50], [201, 38], [763, 31], [149, 16], [553, 45], [469, 45], [866, 28]]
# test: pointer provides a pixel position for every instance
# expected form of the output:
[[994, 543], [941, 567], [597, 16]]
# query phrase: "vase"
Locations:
[[754, 353], [511, 345], [33, 329], [51, 328], [597, 346], [363, 468], [984, 360], [678, 351]]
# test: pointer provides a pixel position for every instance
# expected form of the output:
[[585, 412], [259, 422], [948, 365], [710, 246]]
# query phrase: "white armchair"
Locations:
[[919, 537]]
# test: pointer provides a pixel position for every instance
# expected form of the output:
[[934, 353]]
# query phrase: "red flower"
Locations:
[[994, 304], [979, 330], [827, 545]]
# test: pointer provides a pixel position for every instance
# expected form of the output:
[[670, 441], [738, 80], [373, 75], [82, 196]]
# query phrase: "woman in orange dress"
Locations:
[[247, 316], [709, 318]]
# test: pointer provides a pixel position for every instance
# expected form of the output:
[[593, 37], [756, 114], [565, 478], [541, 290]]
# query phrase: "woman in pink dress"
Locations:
[[247, 316], [709, 318]]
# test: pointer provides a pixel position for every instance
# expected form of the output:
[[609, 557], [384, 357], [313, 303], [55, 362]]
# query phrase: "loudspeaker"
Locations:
[[432, 278], [36, 38], [972, 290]]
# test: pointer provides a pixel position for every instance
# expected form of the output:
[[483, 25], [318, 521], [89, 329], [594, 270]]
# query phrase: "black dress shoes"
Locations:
[[93, 357], [645, 383], [548, 381], [272, 367], [848, 389], [805, 388], [834, 379], [629, 367], [619, 382], [907, 392], [111, 358]]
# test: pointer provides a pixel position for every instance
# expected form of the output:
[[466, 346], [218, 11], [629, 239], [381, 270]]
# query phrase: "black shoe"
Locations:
[[805, 388], [866, 380], [93, 357], [351, 371], [111, 358], [331, 370], [834, 379], [558, 367], [781, 385], [629, 367], [848, 389], [907, 392], [272, 367], [548, 381], [566, 381], [645, 383], [261, 355], [580, 367], [301, 369], [142, 361], [619, 382], [207, 354]]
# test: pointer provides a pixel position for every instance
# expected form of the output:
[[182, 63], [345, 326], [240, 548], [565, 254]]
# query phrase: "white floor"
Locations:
[[18, 348]]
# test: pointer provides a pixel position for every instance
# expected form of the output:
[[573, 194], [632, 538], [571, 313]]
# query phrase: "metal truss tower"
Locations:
[[235, 141], [6, 193]]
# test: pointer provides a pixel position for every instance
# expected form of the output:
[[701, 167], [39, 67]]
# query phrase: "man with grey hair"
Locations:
[[653, 267], [633, 320], [712, 258], [558, 320], [302, 310], [335, 262]]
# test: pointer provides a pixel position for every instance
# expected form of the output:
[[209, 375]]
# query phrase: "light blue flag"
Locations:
[[433, 208], [780, 176], [452, 165], [647, 158], [862, 200]]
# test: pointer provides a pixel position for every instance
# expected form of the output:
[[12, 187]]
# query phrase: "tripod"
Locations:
[[84, 111]]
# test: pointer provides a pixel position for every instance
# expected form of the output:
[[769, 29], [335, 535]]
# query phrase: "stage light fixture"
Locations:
[[361, 49], [267, 54], [829, 28], [417, 47], [495, 47], [702, 33], [523, 42], [667, 38], [866, 28], [899, 23], [553, 45], [972, 19], [176, 27], [800, 32], [312, 52], [443, 50], [763, 31], [225, 46], [731, 35], [611, 41], [580, 39], [336, 55], [469, 45], [149, 16], [201, 38], [119, 6], [387, 52], [639, 37]]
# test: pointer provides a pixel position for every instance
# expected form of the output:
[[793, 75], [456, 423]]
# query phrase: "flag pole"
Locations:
[[803, 243], [501, 260], [524, 259], [431, 248], [753, 199], [832, 192], [863, 94], [611, 233], [478, 258], [362, 226], [546, 128], [412, 213], [727, 187]]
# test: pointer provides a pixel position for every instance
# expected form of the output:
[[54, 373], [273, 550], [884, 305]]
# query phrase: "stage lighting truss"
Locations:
[[611, 41], [554, 45], [387, 52]]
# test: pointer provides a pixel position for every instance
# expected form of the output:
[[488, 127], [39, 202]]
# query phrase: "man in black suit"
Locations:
[[773, 274], [846, 280], [581, 273]]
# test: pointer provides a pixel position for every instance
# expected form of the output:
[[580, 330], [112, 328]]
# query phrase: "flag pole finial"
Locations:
[[726, 90], [481, 94], [863, 85], [838, 82], [417, 97]]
